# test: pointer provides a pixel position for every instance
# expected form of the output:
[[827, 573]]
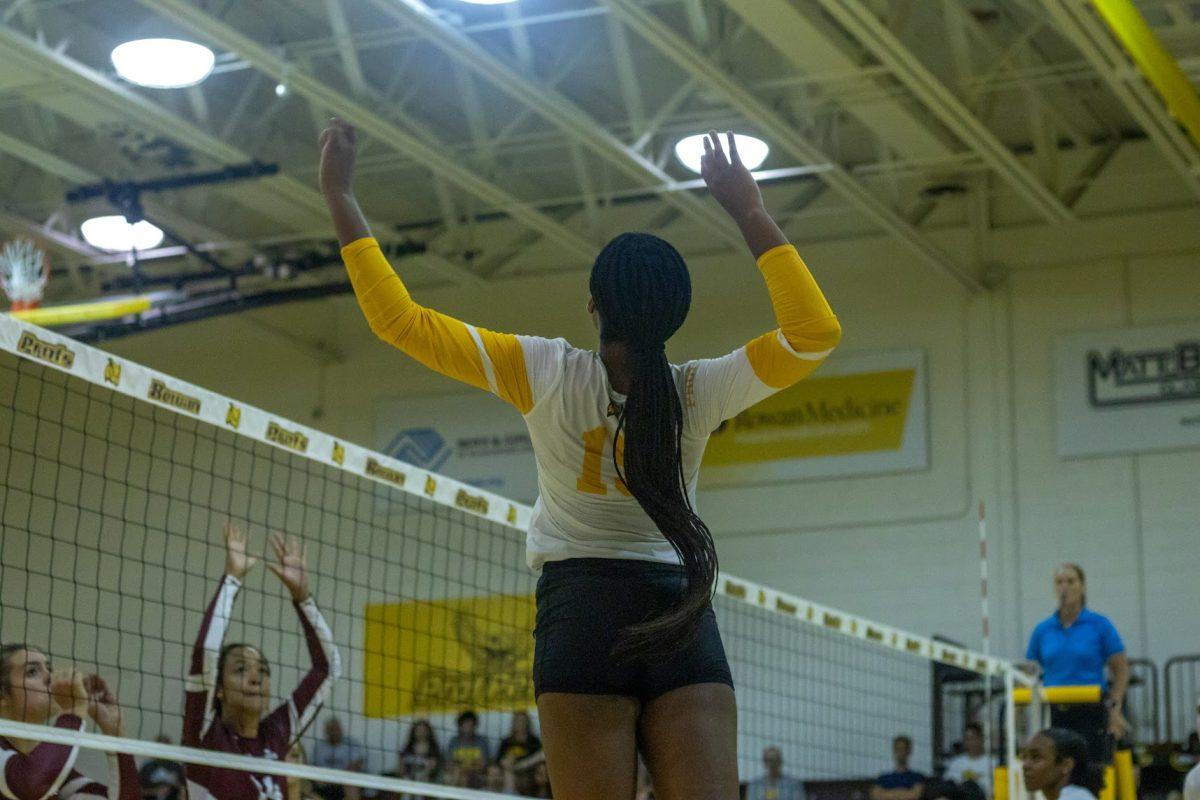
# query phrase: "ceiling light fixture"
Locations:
[[752, 150], [163, 63], [116, 234]]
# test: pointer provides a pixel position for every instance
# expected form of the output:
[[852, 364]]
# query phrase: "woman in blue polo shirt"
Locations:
[[1073, 646]]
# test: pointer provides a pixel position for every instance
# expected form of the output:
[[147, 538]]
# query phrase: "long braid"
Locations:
[[643, 292]]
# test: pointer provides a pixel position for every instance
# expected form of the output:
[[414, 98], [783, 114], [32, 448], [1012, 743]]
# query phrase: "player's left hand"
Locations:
[[339, 143], [292, 566], [102, 706]]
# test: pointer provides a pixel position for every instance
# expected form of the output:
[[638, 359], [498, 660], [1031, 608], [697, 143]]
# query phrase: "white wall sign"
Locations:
[[472, 436], [1129, 390]]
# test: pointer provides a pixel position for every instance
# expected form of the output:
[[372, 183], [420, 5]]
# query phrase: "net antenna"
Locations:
[[24, 272]]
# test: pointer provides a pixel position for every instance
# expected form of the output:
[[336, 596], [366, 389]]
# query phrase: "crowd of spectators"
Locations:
[[517, 767]]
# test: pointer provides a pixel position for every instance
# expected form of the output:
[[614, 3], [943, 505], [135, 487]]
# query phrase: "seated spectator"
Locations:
[[336, 751], [160, 779], [468, 751], [1056, 763], [420, 759], [902, 783], [541, 782], [973, 766], [520, 742], [498, 779], [645, 784], [774, 785], [299, 788], [1191, 784]]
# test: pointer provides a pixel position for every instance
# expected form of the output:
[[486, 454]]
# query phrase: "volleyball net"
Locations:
[[117, 482]]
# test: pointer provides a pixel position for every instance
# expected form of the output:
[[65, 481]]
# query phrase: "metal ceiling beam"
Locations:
[[902, 127], [39, 59], [783, 134], [555, 108], [370, 123], [1088, 33], [73, 173], [862, 23], [349, 56]]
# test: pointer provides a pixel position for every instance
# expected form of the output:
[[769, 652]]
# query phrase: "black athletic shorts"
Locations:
[[582, 606]]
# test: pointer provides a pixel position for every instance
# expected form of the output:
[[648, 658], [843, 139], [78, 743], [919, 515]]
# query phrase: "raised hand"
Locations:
[[237, 563], [292, 568], [728, 180], [69, 692], [102, 706], [338, 149]]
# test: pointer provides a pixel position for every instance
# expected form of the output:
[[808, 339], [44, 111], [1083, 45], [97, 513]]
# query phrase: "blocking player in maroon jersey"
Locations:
[[229, 685], [30, 691]]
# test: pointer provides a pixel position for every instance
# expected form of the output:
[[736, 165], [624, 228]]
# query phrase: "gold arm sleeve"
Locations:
[[806, 322], [481, 358]]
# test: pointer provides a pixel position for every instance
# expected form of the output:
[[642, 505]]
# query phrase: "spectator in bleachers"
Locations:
[[901, 783], [1191, 784], [645, 784], [541, 782], [420, 759], [974, 766], [1055, 762], [336, 751], [498, 779], [468, 751], [774, 785], [161, 779], [520, 743], [299, 788]]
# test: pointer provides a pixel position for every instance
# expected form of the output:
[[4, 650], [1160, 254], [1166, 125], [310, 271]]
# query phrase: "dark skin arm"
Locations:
[[732, 185], [338, 151]]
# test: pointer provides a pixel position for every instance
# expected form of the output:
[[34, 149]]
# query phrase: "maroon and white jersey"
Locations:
[[204, 729], [48, 771]]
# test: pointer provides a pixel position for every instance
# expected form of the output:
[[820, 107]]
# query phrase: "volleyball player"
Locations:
[[626, 644], [229, 686], [29, 692]]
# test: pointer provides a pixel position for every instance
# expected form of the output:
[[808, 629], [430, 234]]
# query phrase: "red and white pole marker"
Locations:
[[987, 632]]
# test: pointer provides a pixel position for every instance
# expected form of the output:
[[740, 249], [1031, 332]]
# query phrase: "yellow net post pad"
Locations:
[[1059, 695], [84, 312]]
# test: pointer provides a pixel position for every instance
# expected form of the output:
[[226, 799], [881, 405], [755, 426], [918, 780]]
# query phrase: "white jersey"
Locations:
[[583, 510], [1191, 784], [563, 393]]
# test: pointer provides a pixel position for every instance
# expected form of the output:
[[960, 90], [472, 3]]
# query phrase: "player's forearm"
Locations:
[[759, 230], [1119, 666], [348, 219]]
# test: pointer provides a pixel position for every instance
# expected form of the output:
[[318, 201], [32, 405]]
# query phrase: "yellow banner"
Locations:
[[839, 415], [426, 657]]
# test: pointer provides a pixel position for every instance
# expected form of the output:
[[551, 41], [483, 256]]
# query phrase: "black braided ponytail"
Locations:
[[642, 291]]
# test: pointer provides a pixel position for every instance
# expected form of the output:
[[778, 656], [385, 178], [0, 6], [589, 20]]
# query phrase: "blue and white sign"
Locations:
[[473, 437]]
